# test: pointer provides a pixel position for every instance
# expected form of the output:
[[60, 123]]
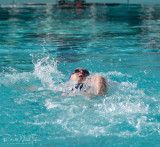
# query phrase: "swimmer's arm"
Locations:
[[99, 85]]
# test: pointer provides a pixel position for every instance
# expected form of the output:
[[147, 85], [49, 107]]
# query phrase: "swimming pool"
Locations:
[[41, 45]]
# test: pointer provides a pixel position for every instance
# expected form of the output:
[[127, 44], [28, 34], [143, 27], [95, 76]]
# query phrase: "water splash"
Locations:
[[45, 68], [123, 112]]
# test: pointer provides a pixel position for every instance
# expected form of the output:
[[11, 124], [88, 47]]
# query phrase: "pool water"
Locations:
[[41, 45]]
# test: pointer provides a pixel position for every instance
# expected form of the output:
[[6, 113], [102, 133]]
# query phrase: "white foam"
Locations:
[[13, 78], [124, 105], [52, 105], [116, 73]]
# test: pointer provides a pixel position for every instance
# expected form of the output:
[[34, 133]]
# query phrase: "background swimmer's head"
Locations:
[[79, 74]]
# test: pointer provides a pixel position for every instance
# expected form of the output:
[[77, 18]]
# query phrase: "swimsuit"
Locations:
[[81, 87], [76, 88]]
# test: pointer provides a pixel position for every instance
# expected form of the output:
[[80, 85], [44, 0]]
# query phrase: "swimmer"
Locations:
[[92, 85], [81, 82]]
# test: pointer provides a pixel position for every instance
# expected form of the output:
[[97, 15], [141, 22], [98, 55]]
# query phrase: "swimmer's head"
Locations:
[[79, 74]]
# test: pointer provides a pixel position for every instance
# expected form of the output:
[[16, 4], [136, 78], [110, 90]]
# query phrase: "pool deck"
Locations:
[[88, 2]]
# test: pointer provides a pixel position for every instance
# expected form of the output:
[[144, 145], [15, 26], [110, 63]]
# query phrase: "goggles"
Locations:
[[86, 73]]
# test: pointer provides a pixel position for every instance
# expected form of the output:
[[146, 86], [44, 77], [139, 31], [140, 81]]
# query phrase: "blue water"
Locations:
[[41, 45]]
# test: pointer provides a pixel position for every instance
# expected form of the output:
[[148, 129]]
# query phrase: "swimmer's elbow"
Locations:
[[101, 87], [101, 91]]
